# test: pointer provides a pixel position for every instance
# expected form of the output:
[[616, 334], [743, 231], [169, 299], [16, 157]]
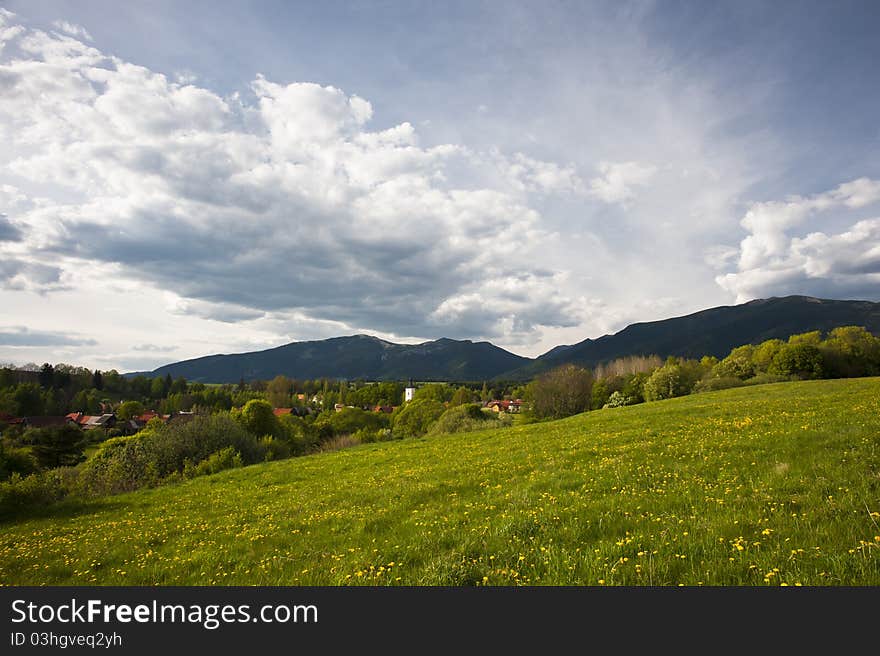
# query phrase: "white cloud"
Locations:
[[73, 29], [284, 204], [772, 260], [616, 182]]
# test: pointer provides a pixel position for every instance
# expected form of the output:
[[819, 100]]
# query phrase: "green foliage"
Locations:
[[600, 394], [434, 392], [145, 459], [564, 391], [764, 353], [350, 420], [470, 417], [715, 384], [129, 409], [16, 461], [28, 400], [813, 338], [257, 418], [275, 448], [462, 396], [57, 446], [618, 399], [799, 359], [736, 365], [23, 493], [415, 418], [226, 458]]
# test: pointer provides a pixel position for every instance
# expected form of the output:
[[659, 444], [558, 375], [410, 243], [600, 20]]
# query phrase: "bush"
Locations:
[[469, 417], [275, 449], [764, 379], [618, 399], [20, 493], [16, 461], [715, 384], [351, 420], [146, 459], [415, 418], [222, 460], [367, 436]]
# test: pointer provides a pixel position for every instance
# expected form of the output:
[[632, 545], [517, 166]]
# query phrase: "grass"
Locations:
[[768, 485]]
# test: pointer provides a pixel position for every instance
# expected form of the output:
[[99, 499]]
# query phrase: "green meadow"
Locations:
[[764, 485]]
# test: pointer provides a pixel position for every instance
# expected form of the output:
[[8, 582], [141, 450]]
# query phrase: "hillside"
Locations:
[[753, 486], [715, 331], [358, 356]]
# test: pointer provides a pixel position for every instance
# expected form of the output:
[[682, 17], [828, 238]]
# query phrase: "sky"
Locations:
[[182, 179]]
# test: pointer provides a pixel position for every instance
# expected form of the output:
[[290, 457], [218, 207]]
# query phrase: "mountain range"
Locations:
[[709, 332]]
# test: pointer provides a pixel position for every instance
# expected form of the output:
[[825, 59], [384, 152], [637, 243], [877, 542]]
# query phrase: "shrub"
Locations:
[[146, 459], [275, 448], [714, 384], [618, 399], [350, 420], [415, 418], [764, 379], [339, 442], [16, 461], [222, 460], [470, 417], [23, 492]]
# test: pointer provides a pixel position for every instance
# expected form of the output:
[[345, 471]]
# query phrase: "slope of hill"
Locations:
[[714, 331], [753, 486], [358, 356]]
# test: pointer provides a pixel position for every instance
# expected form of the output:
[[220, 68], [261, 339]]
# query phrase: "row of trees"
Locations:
[[846, 352]]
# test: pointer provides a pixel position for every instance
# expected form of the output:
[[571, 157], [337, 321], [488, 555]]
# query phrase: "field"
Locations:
[[766, 485]]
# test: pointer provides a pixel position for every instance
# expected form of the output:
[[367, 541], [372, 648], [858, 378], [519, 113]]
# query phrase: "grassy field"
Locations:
[[769, 485]]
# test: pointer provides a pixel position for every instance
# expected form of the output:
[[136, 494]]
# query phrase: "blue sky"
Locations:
[[248, 174]]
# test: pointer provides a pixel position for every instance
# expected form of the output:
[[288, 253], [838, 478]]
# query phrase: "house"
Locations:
[[78, 418], [387, 409], [300, 397], [106, 420], [505, 406], [279, 412]]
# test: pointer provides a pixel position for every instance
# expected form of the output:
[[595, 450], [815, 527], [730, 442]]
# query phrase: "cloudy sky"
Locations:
[[179, 179]]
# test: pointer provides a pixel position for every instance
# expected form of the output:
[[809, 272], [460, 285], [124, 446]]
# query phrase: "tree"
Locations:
[[736, 365], [158, 389], [562, 392], [57, 446], [28, 400], [462, 396], [665, 383], [257, 418], [97, 380], [764, 353], [278, 391], [798, 359], [129, 409], [47, 375]]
